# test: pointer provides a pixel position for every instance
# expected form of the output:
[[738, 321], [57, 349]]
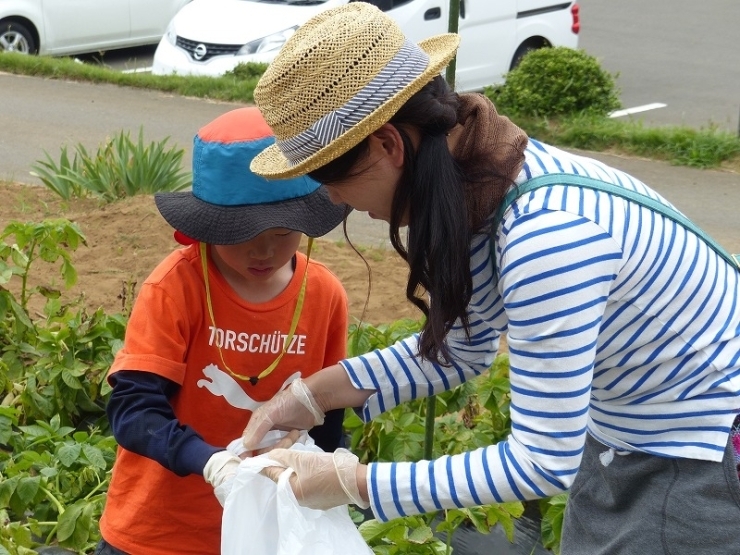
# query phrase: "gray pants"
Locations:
[[645, 505], [104, 548]]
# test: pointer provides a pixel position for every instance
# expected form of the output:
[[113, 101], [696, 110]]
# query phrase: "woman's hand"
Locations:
[[322, 480], [303, 404], [293, 408], [284, 443]]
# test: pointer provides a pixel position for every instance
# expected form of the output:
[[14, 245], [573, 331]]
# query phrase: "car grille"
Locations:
[[211, 49]]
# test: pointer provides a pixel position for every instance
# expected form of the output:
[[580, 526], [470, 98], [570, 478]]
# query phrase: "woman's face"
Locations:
[[373, 180]]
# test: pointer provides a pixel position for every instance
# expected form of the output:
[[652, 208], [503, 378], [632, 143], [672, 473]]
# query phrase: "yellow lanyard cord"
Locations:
[[293, 325]]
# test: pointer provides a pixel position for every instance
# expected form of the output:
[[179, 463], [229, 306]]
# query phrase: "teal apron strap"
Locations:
[[569, 180]]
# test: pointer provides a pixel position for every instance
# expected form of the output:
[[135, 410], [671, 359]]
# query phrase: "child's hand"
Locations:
[[220, 468]]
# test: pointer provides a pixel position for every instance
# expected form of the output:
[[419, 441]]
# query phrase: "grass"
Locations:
[[235, 87], [685, 146], [702, 148]]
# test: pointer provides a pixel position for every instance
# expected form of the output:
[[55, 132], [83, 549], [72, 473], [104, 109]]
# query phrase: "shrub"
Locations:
[[120, 168], [557, 81], [246, 71]]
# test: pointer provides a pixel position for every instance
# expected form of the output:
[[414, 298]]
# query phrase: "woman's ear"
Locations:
[[387, 141]]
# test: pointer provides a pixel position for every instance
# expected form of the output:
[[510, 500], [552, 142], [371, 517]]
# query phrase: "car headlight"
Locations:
[[170, 34], [268, 43]]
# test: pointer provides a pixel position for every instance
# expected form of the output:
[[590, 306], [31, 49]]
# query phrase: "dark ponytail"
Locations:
[[433, 191]]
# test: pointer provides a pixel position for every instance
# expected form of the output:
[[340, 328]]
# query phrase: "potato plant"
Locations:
[[57, 451], [472, 415]]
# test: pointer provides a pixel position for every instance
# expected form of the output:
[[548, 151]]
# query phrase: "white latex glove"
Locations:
[[293, 408], [319, 480], [220, 468]]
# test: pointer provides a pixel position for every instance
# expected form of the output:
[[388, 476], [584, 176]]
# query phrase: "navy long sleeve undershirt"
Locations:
[[143, 422]]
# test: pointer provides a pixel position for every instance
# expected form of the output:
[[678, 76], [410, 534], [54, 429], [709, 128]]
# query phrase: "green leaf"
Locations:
[[86, 404], [421, 535], [42, 403], [553, 510], [64, 431], [27, 488], [68, 522], [6, 429], [35, 431], [69, 453], [83, 512], [70, 380], [479, 521], [6, 272], [21, 537], [20, 314], [7, 489], [374, 529], [69, 274], [55, 422], [94, 455]]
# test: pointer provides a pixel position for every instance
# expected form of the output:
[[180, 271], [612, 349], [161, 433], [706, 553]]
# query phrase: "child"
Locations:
[[218, 328]]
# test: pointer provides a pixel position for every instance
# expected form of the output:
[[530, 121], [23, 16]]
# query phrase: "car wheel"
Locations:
[[522, 51], [15, 37]]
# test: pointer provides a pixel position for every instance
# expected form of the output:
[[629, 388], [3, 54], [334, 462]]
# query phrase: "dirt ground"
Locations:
[[128, 238]]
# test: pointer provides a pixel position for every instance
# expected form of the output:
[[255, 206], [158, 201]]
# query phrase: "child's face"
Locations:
[[260, 259]]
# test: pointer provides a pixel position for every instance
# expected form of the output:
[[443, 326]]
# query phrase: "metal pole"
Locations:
[[452, 27], [431, 413]]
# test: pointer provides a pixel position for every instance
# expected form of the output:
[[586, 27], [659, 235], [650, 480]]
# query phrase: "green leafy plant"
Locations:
[[120, 168], [553, 512], [474, 414], [555, 82], [364, 337], [50, 241], [54, 365], [56, 450], [400, 536], [53, 484]]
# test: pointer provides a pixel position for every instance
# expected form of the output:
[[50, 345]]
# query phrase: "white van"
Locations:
[[210, 37]]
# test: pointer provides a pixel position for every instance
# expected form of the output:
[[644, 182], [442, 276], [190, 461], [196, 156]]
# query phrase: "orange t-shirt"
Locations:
[[149, 509]]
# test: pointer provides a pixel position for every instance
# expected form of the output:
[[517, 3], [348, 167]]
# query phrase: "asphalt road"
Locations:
[[682, 53], [38, 115]]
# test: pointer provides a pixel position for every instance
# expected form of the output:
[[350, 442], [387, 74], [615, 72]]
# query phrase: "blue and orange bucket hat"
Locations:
[[230, 204]]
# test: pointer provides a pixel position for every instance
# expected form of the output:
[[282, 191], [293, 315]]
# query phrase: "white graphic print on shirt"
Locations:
[[220, 384]]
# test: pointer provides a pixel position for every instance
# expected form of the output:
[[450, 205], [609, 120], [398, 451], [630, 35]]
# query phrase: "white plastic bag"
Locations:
[[236, 447], [264, 518]]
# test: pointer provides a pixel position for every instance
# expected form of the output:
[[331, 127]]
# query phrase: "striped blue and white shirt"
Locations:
[[620, 323]]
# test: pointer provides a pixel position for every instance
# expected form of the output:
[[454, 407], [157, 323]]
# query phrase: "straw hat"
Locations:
[[342, 75], [229, 204]]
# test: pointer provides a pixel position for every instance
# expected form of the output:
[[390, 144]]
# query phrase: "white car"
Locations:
[[211, 37], [63, 27]]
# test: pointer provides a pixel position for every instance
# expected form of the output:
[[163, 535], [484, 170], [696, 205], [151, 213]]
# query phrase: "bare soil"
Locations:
[[125, 240]]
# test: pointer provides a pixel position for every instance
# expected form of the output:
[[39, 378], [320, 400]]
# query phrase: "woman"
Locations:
[[623, 326]]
